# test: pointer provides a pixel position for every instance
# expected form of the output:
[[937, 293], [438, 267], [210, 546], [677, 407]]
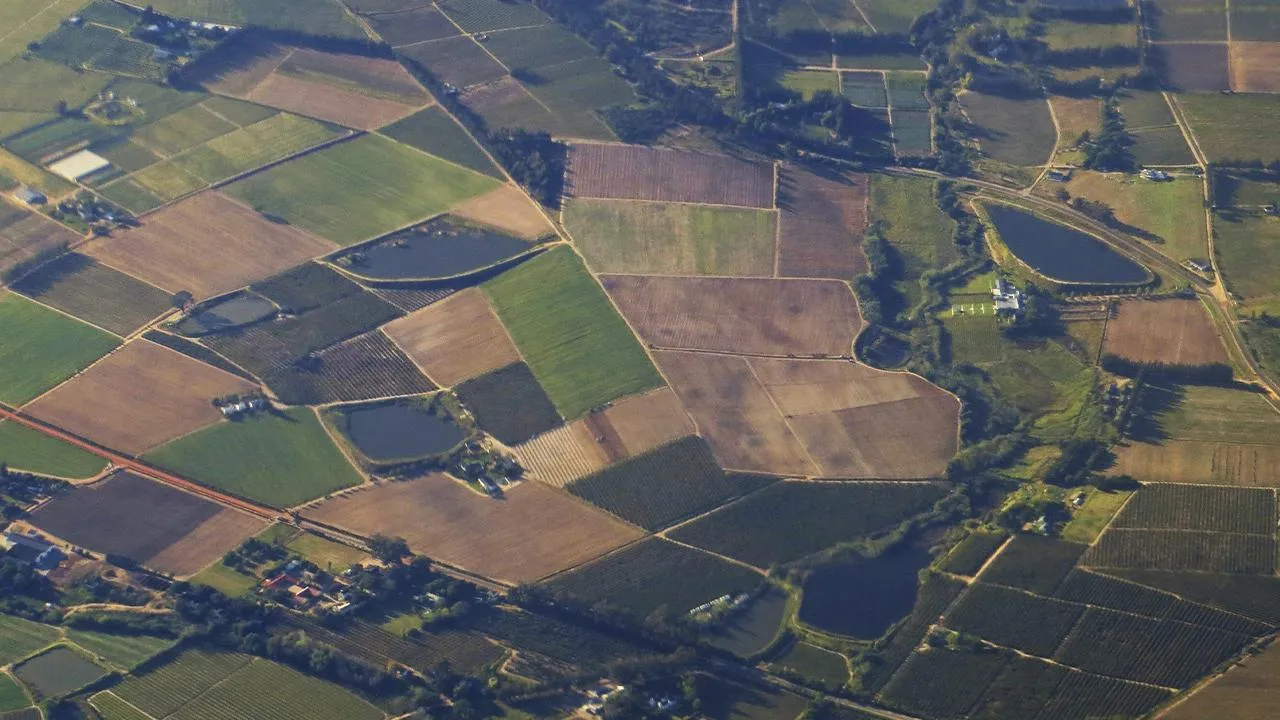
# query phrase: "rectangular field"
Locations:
[[1019, 132], [1253, 67], [1233, 126], [534, 532], [253, 146], [581, 351], [939, 682], [1215, 463], [456, 339], [1247, 242], [39, 348], [1183, 550], [459, 61], [363, 368], [1013, 619], [1209, 414], [78, 285], [1175, 332], [560, 455], [630, 172], [359, 189], [1194, 67], [153, 524], [20, 637], [820, 222], [27, 236], [1033, 563], [1215, 509], [1169, 215], [640, 423], [434, 132], [509, 404]]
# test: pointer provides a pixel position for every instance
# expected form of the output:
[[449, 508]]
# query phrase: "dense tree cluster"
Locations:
[[1111, 150]]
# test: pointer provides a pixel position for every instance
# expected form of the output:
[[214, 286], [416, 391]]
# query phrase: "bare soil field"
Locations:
[[1177, 332], [1255, 67], [235, 246], [630, 172], [561, 455], [455, 339], [143, 520], [24, 235], [748, 315], [820, 225], [138, 397], [734, 413], [509, 209], [1189, 461], [1195, 67], [643, 422], [529, 533], [327, 102]]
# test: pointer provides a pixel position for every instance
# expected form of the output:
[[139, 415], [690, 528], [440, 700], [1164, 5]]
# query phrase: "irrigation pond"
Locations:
[[1062, 253], [863, 598], [399, 431], [440, 248]]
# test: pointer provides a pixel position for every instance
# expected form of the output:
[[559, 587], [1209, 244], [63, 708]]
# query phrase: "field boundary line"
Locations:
[[726, 558], [865, 19], [126, 702], [785, 420], [978, 573], [523, 88]]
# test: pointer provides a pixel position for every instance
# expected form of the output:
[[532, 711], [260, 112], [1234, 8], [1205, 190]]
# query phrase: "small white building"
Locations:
[[1007, 298], [1155, 175]]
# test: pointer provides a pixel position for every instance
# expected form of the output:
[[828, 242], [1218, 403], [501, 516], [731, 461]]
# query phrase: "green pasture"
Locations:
[[182, 130], [253, 146], [1145, 109], [810, 82], [1248, 246], [672, 238], [1067, 35], [27, 22], [1088, 521], [1161, 146], [895, 16], [575, 343], [317, 17], [434, 132], [917, 229], [356, 190], [281, 459], [1174, 212], [880, 62], [39, 348], [122, 651], [1015, 131], [326, 554], [225, 580], [12, 696], [22, 448], [488, 15], [1245, 189], [20, 638], [34, 85], [1234, 127], [1210, 414]]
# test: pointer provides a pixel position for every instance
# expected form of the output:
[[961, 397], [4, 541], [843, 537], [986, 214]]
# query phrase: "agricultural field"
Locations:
[[458, 61], [1013, 619], [1253, 596], [1183, 550], [1175, 332], [864, 89], [671, 238], [1169, 216], [398, 186], [78, 285], [20, 638], [532, 533], [236, 247], [1246, 244], [40, 348], [748, 315], [1215, 463], [122, 651], [819, 219], [57, 672], [563, 454], [579, 349], [253, 146], [1034, 563], [1188, 507], [509, 404], [22, 448], [456, 339], [1194, 67], [282, 458], [922, 235], [894, 16], [400, 27], [814, 663], [723, 700], [508, 209], [940, 682], [970, 554], [1206, 414], [1188, 20], [365, 367], [26, 237], [435, 133], [1018, 132], [1089, 520], [664, 486], [630, 172], [1245, 692], [12, 696], [464, 650], [639, 423], [153, 524], [1233, 126], [655, 573], [794, 519], [178, 392], [1099, 590]]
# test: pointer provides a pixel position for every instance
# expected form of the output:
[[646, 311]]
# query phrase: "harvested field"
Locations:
[[39, 348], [25, 236], [328, 103], [1176, 332], [156, 525], [78, 285], [820, 225], [532, 532], [672, 238], [1255, 67], [456, 339], [509, 404], [750, 315], [562, 455], [1194, 67], [236, 247], [363, 368], [1215, 463], [506, 208], [374, 76], [630, 172], [139, 397], [642, 422]]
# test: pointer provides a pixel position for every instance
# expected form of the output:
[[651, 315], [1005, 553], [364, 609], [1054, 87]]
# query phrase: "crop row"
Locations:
[[1257, 596], [265, 689], [939, 682], [554, 638], [509, 404], [463, 651], [1013, 618], [1196, 507], [1183, 550], [1033, 562], [162, 691], [967, 557], [1092, 588], [363, 368]]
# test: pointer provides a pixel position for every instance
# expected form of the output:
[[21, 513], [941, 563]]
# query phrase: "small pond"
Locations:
[[1062, 253], [238, 310], [750, 631], [863, 598], [399, 431], [437, 249]]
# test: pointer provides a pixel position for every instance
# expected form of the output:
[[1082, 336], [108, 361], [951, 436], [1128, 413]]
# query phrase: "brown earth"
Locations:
[[507, 209], [820, 225], [532, 531], [1255, 67], [329, 103], [646, 421], [24, 235], [746, 315], [1177, 332], [455, 339], [379, 77], [207, 542], [1195, 67], [1189, 461], [207, 244], [561, 455], [138, 397], [641, 173]]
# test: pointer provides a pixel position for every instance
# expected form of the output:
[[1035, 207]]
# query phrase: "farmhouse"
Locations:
[[29, 196], [32, 550], [1156, 175], [1199, 265], [1007, 298]]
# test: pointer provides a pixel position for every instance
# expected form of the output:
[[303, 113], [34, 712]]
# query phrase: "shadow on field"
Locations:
[[1151, 404]]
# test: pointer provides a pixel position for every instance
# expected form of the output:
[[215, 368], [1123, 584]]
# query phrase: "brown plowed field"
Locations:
[[1255, 67], [506, 209], [531, 532], [646, 421], [747, 315], [138, 397], [1209, 463], [820, 225], [455, 339], [1177, 332], [156, 525], [208, 245], [561, 455], [327, 102], [633, 172], [734, 413], [1195, 67]]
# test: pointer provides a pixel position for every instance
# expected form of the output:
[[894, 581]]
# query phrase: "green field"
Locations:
[[34, 85], [26, 22], [317, 17], [814, 663], [19, 638], [91, 291], [1018, 132], [182, 130], [1248, 247], [920, 232], [672, 238], [905, 61], [111, 707], [12, 696], [1172, 211], [1234, 127], [225, 580], [327, 554], [122, 651], [1212, 414], [1161, 146], [865, 89], [1068, 35], [579, 349], [39, 348], [22, 448], [809, 82], [1244, 189], [895, 16], [356, 190], [281, 459], [433, 131], [253, 146], [1257, 20]]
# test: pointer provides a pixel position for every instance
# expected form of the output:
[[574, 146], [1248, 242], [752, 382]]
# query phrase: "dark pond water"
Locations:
[[237, 310], [1060, 252], [435, 250], [399, 431], [863, 598], [750, 631]]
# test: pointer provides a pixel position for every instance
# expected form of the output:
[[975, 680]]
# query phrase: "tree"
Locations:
[[1110, 149], [181, 299], [390, 550]]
